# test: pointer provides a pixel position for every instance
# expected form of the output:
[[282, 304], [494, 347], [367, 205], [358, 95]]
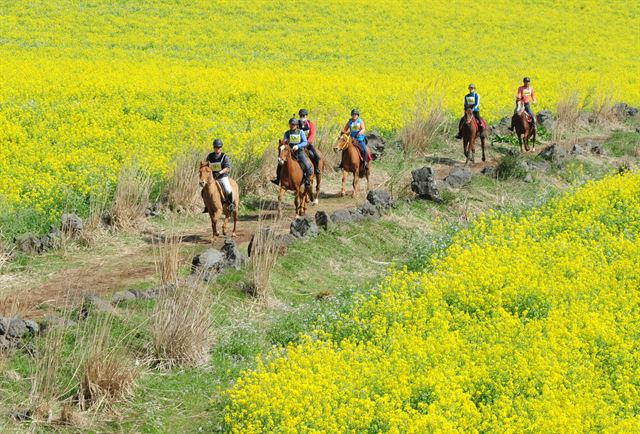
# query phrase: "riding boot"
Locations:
[[232, 206], [459, 135]]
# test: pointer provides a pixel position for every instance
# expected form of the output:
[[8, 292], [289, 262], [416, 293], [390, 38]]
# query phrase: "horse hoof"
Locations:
[[217, 234], [315, 202], [234, 235], [342, 194]]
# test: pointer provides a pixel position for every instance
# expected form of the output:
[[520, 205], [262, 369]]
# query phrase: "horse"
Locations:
[[524, 131], [352, 162], [470, 132], [213, 197], [292, 179]]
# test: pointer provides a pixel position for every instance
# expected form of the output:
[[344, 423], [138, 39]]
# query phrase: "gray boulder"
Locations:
[[28, 244], [545, 119], [489, 171], [342, 216], [597, 149], [553, 152], [424, 184], [303, 227], [458, 177], [377, 145], [578, 150], [624, 110], [234, 258], [32, 327], [638, 130], [4, 325], [122, 296], [323, 220], [379, 198], [93, 302], [502, 127], [17, 328], [369, 211], [71, 225]]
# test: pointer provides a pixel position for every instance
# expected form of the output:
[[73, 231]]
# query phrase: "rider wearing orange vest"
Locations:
[[527, 95]]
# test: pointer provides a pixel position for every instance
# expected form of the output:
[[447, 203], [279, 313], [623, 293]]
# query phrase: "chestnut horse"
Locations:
[[470, 133], [523, 129], [292, 179], [213, 196], [351, 162]]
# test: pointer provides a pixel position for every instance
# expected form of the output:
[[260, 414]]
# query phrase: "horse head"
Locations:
[[344, 140], [283, 151], [519, 106], [468, 113], [205, 173]]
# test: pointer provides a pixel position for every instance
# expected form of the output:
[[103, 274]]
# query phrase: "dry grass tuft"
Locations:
[[568, 116], [167, 258], [426, 121], [263, 258], [131, 197], [181, 326], [183, 190], [603, 112], [253, 170]]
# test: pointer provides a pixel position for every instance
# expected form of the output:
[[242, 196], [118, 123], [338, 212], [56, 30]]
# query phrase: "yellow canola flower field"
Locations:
[[528, 322], [87, 86]]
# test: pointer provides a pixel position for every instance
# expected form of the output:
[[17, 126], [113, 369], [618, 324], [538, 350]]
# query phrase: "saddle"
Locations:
[[221, 191], [482, 121]]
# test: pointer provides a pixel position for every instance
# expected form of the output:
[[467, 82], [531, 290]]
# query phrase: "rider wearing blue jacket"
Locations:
[[472, 99], [297, 140], [356, 129]]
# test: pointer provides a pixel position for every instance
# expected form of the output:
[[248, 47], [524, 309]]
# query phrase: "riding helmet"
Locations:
[[294, 121], [355, 112], [303, 112], [526, 80], [472, 86], [217, 143]]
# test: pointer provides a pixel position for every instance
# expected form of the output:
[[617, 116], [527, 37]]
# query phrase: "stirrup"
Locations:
[[275, 181]]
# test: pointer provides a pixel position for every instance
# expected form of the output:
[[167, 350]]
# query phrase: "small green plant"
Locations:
[[511, 166]]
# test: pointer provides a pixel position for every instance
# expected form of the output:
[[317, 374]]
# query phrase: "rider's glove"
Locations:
[[295, 148]]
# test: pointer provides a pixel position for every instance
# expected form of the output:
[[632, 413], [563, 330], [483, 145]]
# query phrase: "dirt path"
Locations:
[[132, 264]]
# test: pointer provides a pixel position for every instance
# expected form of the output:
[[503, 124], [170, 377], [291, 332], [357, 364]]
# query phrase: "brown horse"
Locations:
[[213, 196], [524, 131], [292, 179], [470, 132], [352, 162]]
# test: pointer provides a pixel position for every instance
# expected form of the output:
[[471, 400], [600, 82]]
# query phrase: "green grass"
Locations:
[[313, 283], [623, 144]]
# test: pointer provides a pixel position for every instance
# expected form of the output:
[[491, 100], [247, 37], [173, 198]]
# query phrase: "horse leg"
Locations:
[[533, 141], [356, 182], [520, 141], [225, 222], [315, 202], [368, 181], [215, 215], [482, 144], [344, 183], [280, 197], [235, 222], [526, 141]]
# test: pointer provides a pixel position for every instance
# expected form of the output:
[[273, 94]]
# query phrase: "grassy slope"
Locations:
[[343, 262]]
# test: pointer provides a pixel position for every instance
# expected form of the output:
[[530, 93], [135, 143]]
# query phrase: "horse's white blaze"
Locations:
[[281, 148]]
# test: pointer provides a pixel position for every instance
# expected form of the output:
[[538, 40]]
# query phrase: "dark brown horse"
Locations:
[[292, 179], [470, 132], [523, 129], [213, 197], [352, 162]]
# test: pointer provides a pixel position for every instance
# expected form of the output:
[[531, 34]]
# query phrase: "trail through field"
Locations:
[[119, 265]]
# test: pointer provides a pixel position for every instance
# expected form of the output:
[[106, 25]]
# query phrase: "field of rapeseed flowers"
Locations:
[[527, 323], [85, 87]]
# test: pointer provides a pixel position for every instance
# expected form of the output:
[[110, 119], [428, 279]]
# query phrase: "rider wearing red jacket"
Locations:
[[309, 129]]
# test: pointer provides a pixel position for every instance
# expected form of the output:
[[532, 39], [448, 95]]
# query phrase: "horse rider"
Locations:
[[297, 140], [527, 95], [472, 99], [355, 127], [309, 129], [220, 167]]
